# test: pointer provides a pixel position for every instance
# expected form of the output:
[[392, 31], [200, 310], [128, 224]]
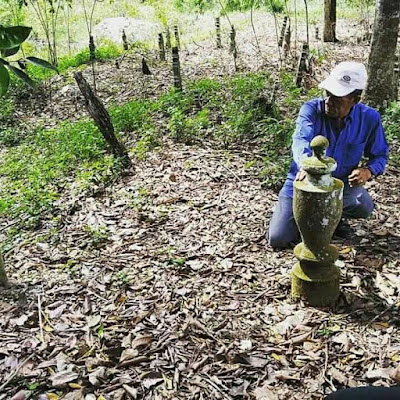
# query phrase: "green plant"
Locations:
[[199, 6], [10, 137], [98, 236], [48, 12], [11, 39], [123, 277], [34, 173], [390, 120]]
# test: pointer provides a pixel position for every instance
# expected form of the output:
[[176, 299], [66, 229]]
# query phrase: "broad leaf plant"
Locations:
[[11, 38]]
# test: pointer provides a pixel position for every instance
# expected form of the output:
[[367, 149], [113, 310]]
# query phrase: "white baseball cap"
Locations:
[[345, 78]]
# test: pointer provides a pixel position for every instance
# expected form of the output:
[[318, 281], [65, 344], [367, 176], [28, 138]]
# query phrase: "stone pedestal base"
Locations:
[[318, 287]]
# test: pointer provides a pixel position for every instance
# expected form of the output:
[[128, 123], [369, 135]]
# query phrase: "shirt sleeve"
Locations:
[[304, 133], [377, 150]]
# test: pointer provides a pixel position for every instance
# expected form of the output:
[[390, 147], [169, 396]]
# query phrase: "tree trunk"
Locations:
[[379, 90], [330, 21], [3, 275], [102, 119]]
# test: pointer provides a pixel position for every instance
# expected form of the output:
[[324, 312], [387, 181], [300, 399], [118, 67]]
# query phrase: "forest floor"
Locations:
[[163, 285]]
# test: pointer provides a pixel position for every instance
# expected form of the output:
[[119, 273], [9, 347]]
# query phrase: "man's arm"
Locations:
[[304, 133], [302, 137], [377, 150]]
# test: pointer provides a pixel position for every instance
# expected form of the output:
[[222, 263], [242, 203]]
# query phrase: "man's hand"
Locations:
[[300, 175], [359, 176]]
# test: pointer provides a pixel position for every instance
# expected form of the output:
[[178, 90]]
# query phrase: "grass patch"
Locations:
[[106, 51], [35, 173]]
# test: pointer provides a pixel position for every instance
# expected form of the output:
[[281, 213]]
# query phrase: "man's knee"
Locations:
[[283, 236], [278, 241], [359, 206], [365, 209]]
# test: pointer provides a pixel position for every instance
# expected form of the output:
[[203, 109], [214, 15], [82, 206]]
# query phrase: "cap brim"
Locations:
[[335, 87]]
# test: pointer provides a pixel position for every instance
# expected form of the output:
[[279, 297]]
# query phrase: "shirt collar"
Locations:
[[350, 117]]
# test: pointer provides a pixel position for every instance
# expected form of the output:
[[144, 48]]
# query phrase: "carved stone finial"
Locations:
[[317, 208], [318, 146]]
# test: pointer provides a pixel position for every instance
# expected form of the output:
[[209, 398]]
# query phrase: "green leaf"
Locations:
[[100, 331], [32, 386], [10, 52], [4, 80], [22, 75], [41, 63], [13, 36]]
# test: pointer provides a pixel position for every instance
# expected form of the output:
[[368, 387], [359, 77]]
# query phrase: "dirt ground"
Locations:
[[163, 286]]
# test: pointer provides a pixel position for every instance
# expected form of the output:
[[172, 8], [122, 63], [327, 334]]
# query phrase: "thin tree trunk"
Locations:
[[102, 119], [3, 275], [379, 90], [330, 21]]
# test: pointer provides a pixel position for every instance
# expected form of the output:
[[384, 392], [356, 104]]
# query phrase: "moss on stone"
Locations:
[[318, 287]]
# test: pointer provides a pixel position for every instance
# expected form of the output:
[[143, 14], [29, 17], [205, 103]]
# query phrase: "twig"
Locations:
[[216, 387], [198, 45], [12, 376], [276, 33], [225, 13], [378, 316], [40, 319], [254, 29], [326, 368], [308, 36]]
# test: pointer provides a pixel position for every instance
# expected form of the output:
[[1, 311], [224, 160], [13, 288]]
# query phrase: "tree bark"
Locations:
[[3, 275], [102, 119], [379, 90], [330, 21]]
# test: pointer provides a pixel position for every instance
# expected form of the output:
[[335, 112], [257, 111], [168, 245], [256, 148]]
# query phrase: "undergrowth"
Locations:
[[106, 51], [390, 120], [34, 174], [230, 113]]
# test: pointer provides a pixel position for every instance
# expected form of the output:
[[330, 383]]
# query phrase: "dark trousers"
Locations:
[[283, 232], [366, 393]]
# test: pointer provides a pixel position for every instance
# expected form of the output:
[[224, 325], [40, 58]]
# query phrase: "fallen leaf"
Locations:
[[395, 374], [141, 341], [379, 373], [21, 395], [256, 362], [128, 354], [246, 345], [239, 391], [265, 393], [132, 392], [282, 328], [57, 312], [338, 376], [98, 376], [20, 321], [93, 321], [61, 379]]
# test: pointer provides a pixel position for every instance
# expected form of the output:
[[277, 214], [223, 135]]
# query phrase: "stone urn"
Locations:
[[317, 208]]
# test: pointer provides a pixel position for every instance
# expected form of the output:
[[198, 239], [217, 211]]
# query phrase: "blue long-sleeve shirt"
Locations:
[[362, 134]]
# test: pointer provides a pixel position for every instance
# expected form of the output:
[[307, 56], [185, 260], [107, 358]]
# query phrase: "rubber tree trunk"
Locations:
[[102, 119], [3, 275], [330, 21], [379, 90]]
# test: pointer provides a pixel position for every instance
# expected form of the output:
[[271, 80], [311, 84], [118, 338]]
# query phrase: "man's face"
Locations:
[[338, 107]]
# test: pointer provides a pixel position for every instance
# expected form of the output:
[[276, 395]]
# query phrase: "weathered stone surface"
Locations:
[[317, 208]]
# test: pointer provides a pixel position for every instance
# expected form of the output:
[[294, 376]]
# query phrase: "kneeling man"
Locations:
[[353, 129]]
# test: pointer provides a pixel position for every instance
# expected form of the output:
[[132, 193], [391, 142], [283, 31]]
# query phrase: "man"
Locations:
[[353, 130]]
